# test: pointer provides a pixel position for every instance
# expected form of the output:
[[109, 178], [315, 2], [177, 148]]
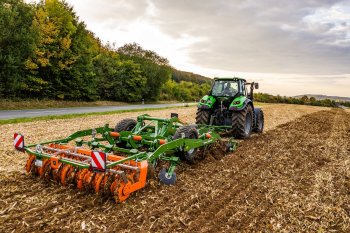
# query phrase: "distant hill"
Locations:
[[178, 76], [323, 97]]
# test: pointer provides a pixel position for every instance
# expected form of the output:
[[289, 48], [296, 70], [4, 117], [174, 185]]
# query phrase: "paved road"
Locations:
[[13, 114]]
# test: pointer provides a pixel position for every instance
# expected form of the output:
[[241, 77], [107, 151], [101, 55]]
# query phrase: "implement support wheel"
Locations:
[[189, 132], [165, 178]]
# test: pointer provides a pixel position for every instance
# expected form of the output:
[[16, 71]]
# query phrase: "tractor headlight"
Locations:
[[202, 101], [237, 102]]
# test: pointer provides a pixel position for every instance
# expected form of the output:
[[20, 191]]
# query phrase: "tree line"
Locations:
[[304, 100], [47, 52]]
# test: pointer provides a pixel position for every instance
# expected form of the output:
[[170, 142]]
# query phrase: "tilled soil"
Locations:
[[295, 177]]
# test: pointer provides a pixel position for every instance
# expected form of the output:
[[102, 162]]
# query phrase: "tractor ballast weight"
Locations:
[[230, 105], [117, 162]]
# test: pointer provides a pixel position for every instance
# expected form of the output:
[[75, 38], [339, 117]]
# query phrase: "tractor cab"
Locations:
[[225, 90], [227, 87]]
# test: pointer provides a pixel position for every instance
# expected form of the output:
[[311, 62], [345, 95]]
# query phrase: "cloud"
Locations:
[[262, 36]]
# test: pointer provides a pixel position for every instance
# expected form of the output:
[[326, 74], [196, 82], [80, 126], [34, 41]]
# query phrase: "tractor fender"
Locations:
[[206, 102], [245, 103]]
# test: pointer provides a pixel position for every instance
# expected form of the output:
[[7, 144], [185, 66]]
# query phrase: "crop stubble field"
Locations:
[[293, 177]]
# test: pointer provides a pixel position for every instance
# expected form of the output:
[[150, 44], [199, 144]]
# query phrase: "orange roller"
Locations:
[[104, 182], [54, 162], [30, 161], [79, 178], [65, 173], [43, 168], [107, 185], [113, 185], [56, 173], [88, 179], [97, 181], [119, 187]]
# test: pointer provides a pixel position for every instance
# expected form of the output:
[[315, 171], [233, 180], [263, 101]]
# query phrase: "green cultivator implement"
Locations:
[[118, 161]]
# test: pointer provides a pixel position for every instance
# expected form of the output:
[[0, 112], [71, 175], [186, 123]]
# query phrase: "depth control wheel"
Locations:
[[189, 132], [165, 178]]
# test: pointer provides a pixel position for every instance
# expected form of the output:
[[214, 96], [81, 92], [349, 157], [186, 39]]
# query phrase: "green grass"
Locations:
[[6, 104], [70, 116]]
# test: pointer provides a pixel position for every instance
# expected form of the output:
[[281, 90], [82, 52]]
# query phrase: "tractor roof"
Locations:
[[230, 78]]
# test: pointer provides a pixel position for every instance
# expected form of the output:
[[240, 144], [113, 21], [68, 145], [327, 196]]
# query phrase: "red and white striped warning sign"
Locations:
[[18, 141], [98, 160]]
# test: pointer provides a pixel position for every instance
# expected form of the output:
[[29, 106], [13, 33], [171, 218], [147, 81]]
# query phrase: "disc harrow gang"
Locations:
[[116, 164]]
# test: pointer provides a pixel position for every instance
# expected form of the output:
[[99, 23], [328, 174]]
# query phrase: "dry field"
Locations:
[[294, 177]]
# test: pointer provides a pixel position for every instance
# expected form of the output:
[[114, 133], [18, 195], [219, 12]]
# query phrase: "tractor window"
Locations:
[[224, 88]]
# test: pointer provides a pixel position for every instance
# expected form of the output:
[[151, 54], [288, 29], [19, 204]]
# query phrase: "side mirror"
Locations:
[[256, 85]]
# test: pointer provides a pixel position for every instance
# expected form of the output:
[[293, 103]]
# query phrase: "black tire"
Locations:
[[191, 133], [259, 121], [202, 117], [125, 125], [165, 178], [242, 123]]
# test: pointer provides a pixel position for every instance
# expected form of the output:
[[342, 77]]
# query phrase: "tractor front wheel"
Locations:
[[242, 123]]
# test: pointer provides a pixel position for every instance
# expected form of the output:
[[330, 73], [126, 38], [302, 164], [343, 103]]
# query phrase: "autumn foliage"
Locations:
[[47, 52]]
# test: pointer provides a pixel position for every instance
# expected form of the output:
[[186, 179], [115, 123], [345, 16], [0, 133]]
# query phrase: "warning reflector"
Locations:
[[98, 161], [18, 141]]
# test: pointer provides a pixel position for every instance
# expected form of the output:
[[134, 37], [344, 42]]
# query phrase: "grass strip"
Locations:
[[70, 116]]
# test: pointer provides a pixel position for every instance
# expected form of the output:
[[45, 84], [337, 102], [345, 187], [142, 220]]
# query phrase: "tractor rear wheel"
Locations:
[[202, 117], [189, 132], [242, 123], [259, 121], [125, 125]]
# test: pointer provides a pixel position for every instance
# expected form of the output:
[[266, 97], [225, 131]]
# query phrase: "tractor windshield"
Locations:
[[224, 88]]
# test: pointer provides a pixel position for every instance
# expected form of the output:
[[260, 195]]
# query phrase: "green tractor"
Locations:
[[230, 105]]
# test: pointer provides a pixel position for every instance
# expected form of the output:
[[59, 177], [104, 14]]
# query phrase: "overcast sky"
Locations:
[[291, 47]]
